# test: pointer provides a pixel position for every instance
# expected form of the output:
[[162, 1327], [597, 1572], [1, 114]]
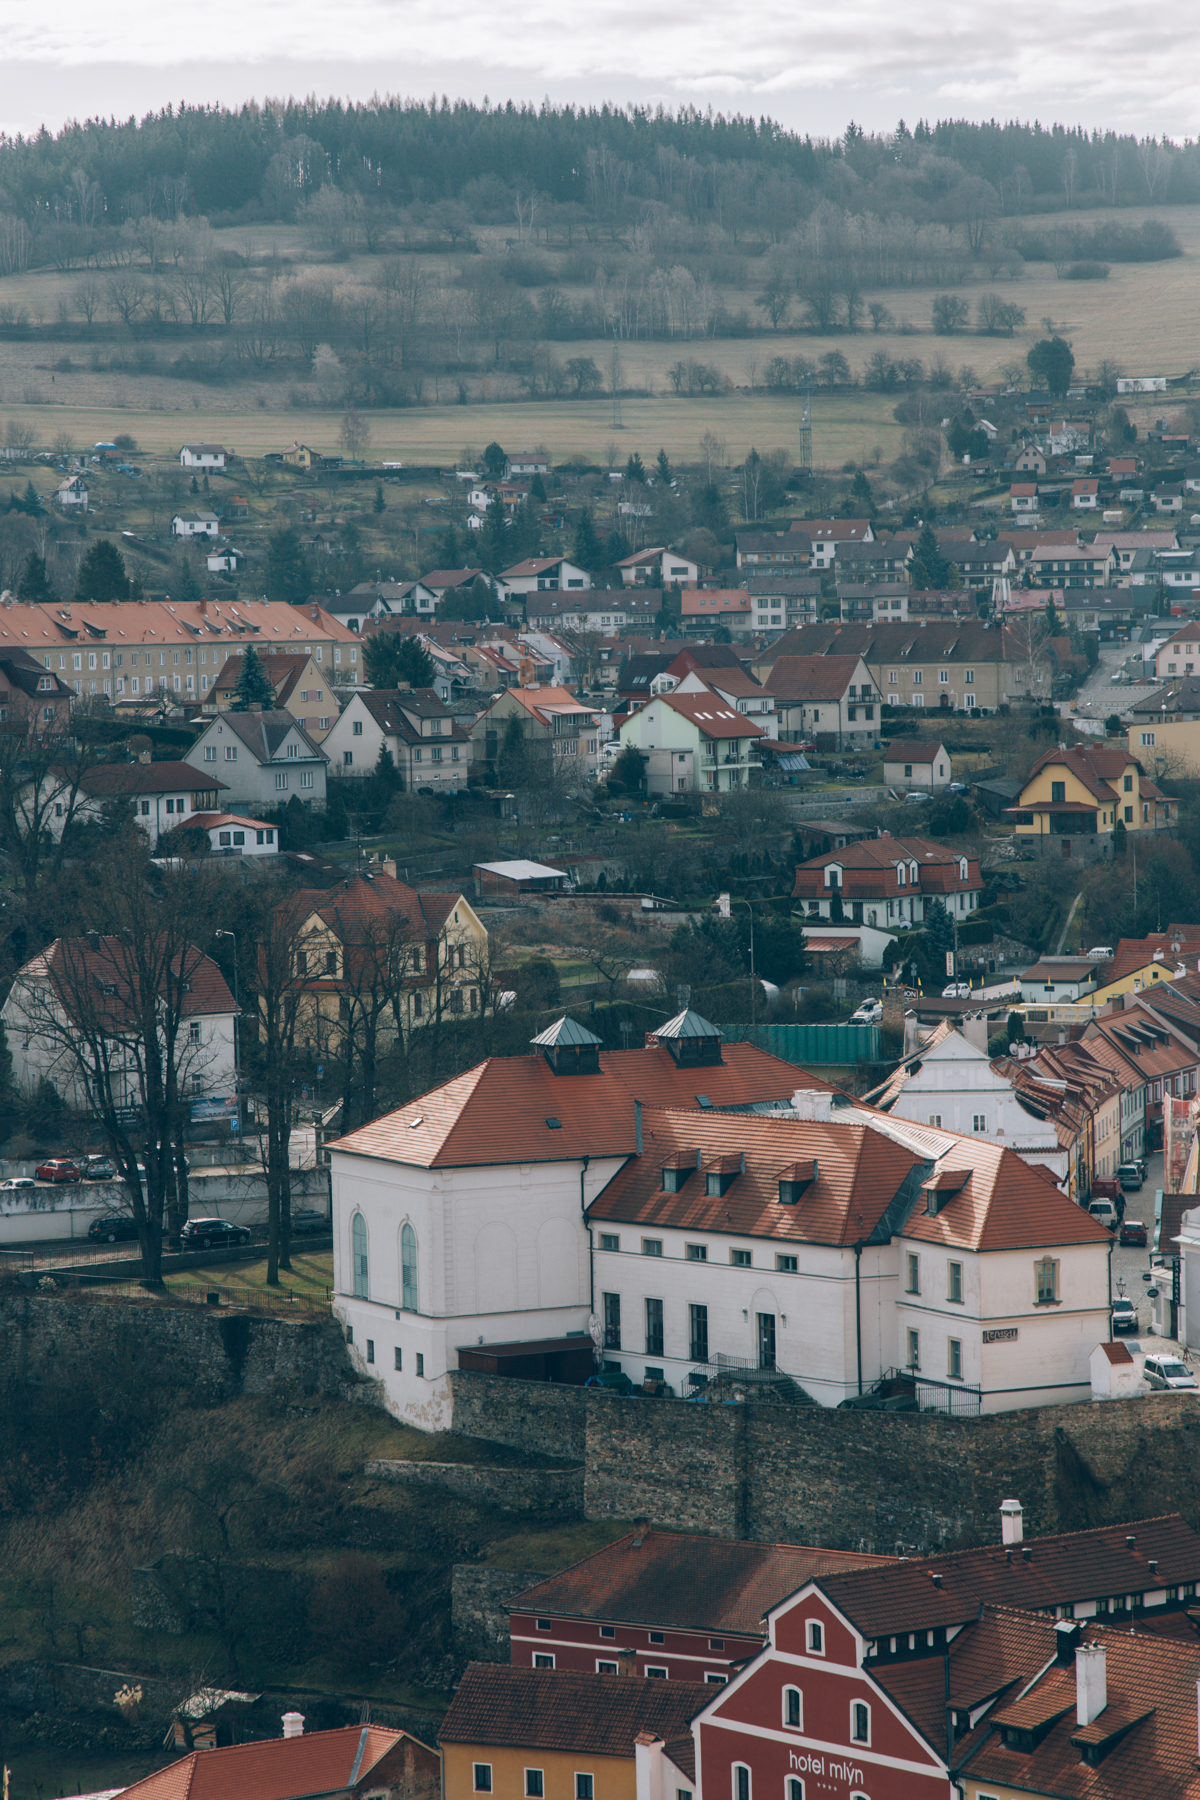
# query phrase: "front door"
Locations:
[[766, 1340]]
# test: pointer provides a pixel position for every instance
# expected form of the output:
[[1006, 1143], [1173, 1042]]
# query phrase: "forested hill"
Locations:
[[263, 162]]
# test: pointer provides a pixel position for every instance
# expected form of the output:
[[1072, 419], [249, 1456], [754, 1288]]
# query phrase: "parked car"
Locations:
[[1131, 1175], [916, 799], [59, 1168], [957, 787], [308, 1220], [111, 1226], [17, 1183], [212, 1234], [1124, 1314], [868, 1013], [957, 990], [1105, 1211], [1101, 952], [1167, 1372], [99, 1168], [1133, 1231]]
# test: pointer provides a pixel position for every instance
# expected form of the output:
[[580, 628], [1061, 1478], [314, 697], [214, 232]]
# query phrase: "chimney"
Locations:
[[1091, 1683], [1012, 1528], [1066, 1636], [637, 1125], [648, 1765], [144, 756], [808, 1104], [627, 1662], [293, 1724]]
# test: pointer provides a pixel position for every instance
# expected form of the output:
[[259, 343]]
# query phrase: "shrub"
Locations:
[[1086, 271]]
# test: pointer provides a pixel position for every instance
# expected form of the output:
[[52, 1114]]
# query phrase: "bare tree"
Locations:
[[278, 982], [43, 763]]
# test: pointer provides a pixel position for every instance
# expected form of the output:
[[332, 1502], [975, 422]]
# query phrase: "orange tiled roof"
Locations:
[[320, 1762], [567, 1709], [1005, 1205]]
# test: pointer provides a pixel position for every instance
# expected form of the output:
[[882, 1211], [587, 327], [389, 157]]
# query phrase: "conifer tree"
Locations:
[[254, 684]]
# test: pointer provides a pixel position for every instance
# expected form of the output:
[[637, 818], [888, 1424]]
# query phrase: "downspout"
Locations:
[[858, 1250], [591, 1241]]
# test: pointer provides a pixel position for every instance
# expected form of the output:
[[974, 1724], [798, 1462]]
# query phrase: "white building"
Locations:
[[264, 759], [201, 524], [952, 1085], [428, 747], [159, 795], [73, 492], [924, 766], [224, 562], [203, 456], [230, 834], [644, 565], [542, 575], [42, 1013], [693, 743], [457, 1219]]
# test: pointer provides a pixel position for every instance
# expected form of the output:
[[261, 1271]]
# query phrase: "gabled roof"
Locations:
[[106, 971], [798, 678], [497, 1112], [859, 1173], [913, 750], [566, 1709], [148, 778], [264, 732], [1004, 1204], [712, 715], [358, 906], [1041, 1573], [657, 1578], [301, 1768], [452, 578]]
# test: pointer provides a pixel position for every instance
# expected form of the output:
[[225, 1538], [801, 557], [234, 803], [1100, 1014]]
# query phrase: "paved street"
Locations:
[[1128, 1264], [1100, 695]]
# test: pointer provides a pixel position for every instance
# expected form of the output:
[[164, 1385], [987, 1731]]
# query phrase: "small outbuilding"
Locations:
[[1116, 1373], [518, 877], [923, 766]]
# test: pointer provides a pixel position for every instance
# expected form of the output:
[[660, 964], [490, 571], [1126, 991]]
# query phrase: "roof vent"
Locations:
[[1012, 1528], [1027, 1552], [1152, 1561], [936, 1579], [1130, 1541]]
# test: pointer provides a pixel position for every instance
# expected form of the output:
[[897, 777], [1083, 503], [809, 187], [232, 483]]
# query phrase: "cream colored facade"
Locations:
[[1170, 744], [613, 1777], [1057, 784]]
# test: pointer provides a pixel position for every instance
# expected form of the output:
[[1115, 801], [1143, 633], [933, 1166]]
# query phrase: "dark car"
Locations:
[[1124, 1314], [212, 1234], [1132, 1231], [59, 1168], [307, 1221], [110, 1227]]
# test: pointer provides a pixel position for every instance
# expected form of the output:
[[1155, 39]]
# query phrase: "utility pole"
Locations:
[[806, 461], [615, 382]]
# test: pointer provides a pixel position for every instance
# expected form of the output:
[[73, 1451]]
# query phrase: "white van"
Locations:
[[1105, 1211]]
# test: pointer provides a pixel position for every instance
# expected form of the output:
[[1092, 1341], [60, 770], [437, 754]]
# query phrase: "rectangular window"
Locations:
[[210, 753], [741, 1782], [306, 778], [609, 1241], [606, 1668], [612, 1321], [1045, 1272], [954, 1288], [766, 1340], [696, 1252], [399, 1354], [543, 1661], [584, 1787], [420, 1364], [281, 782], [483, 1778], [535, 1786], [370, 1350], [914, 1274], [740, 1259], [194, 1031], [698, 1333], [914, 1349], [954, 1358], [1058, 792], [787, 1265], [654, 1328], [860, 1722]]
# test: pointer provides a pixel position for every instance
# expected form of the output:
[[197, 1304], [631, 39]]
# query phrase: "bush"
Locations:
[[1086, 271], [354, 1614]]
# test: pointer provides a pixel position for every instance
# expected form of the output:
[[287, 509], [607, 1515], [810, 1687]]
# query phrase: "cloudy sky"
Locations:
[[812, 66]]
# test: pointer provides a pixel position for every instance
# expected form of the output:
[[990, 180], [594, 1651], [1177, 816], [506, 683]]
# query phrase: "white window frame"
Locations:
[[866, 1706], [814, 1637], [796, 1724], [475, 1787], [656, 1673], [735, 1786], [540, 1792], [543, 1659], [605, 1666]]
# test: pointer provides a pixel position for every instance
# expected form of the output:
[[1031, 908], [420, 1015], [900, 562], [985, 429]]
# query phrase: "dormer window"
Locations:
[[962, 868], [833, 876], [721, 1173], [795, 1179], [901, 876], [912, 873], [674, 1176]]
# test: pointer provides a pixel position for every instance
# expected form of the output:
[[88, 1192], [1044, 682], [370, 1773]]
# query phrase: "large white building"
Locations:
[[709, 1219]]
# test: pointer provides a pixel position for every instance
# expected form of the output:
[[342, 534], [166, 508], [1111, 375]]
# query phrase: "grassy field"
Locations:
[[310, 1276], [1144, 316]]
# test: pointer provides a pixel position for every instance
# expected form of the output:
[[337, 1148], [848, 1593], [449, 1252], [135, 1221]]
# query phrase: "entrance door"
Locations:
[[766, 1340]]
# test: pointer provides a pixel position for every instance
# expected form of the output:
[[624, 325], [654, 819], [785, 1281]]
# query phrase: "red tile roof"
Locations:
[[567, 1709], [354, 909], [1040, 1574], [662, 1578], [859, 1173], [301, 1768], [794, 679], [1005, 1205], [497, 1112], [77, 968], [712, 715]]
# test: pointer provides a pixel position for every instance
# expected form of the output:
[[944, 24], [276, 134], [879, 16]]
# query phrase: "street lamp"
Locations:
[[739, 900], [237, 1004]]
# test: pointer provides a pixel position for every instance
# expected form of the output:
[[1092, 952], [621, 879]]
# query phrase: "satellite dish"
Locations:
[[596, 1329]]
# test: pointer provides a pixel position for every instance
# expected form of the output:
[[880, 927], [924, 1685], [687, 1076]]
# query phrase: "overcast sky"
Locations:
[[813, 67]]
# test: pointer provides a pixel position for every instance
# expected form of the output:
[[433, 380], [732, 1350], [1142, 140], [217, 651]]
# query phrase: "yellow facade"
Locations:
[[1169, 745], [612, 1777], [1148, 974], [1057, 783]]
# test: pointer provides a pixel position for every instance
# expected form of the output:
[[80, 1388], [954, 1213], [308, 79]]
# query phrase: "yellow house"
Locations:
[[375, 955], [1085, 791], [1166, 738], [299, 456], [1140, 963], [564, 1734], [301, 688]]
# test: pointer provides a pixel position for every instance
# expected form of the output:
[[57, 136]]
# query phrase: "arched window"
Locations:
[[793, 1708], [795, 1788], [741, 1782], [358, 1233], [408, 1269]]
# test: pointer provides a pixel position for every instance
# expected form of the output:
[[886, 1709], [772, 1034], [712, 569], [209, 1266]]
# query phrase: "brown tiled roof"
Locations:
[[869, 869], [77, 965], [798, 678], [1145, 1736], [994, 1656], [352, 909], [497, 1112], [1005, 1205], [859, 1173], [147, 778], [696, 1583], [567, 1709], [1059, 1570], [909, 750], [320, 1762], [712, 715]]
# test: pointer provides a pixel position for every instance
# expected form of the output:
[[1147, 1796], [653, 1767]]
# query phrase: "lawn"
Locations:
[[310, 1276]]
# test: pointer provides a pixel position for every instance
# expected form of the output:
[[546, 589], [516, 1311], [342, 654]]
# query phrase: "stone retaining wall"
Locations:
[[479, 1603], [512, 1490]]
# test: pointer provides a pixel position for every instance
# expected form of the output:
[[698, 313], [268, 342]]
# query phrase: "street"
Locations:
[[1100, 695], [1130, 1264]]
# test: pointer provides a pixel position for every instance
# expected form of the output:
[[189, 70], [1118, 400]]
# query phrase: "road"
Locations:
[[1100, 695], [1129, 1264]]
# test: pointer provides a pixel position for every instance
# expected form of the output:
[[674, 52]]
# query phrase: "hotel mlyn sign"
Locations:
[[828, 1772]]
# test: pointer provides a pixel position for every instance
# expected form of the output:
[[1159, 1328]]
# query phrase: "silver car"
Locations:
[[1164, 1372]]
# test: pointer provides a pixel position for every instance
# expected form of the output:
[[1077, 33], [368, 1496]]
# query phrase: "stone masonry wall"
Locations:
[[512, 1490], [479, 1603], [191, 1349], [851, 1480]]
